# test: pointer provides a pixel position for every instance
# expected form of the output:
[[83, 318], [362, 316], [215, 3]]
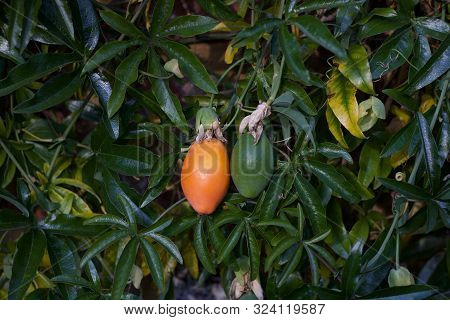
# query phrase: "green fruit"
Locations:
[[252, 165], [400, 277]]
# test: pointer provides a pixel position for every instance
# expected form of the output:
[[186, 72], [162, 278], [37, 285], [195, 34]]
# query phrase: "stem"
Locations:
[[170, 208], [136, 16], [412, 177], [388, 236], [249, 84], [397, 249], [72, 122], [231, 67], [14, 160]]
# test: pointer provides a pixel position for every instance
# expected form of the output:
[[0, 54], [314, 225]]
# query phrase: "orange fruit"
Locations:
[[205, 175]]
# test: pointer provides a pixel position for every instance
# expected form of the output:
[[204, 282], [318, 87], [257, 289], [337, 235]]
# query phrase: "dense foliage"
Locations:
[[98, 104]]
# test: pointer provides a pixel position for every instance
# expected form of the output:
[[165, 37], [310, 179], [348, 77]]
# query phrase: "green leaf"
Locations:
[[231, 242], [381, 12], [305, 102], [414, 292], [102, 243], [167, 100], [392, 53], [350, 273], [120, 24], [331, 151], [10, 220], [123, 268], [345, 16], [273, 194], [311, 5], [86, 24], [278, 223], [399, 140], [296, 117], [334, 180], [421, 54], [5, 195], [430, 152], [311, 200], [253, 33], [69, 225], [107, 220], [201, 247], [126, 73], [29, 253], [369, 162], [436, 28], [31, 9], [161, 13], [356, 68], [128, 160], [292, 53], [281, 247], [190, 65], [254, 252], [218, 9], [168, 245], [112, 192], [36, 67], [435, 67], [9, 53], [154, 263], [342, 100], [108, 51], [57, 16], [73, 280], [189, 26], [291, 265], [403, 99], [64, 259], [379, 25], [319, 33], [359, 231], [16, 13], [55, 91], [408, 190]]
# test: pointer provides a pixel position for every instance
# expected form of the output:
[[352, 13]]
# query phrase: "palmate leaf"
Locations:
[[342, 101]]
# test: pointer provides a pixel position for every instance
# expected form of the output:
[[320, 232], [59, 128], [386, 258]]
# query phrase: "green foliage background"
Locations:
[[358, 206]]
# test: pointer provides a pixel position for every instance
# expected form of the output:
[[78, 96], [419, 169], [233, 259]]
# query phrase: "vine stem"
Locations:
[[72, 122], [170, 208], [410, 180], [412, 177], [17, 164], [249, 84]]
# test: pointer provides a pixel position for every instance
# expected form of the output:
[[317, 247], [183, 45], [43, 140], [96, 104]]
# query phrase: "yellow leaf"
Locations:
[[229, 26], [229, 54], [342, 100], [190, 259], [401, 114], [426, 103], [399, 158], [335, 128]]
